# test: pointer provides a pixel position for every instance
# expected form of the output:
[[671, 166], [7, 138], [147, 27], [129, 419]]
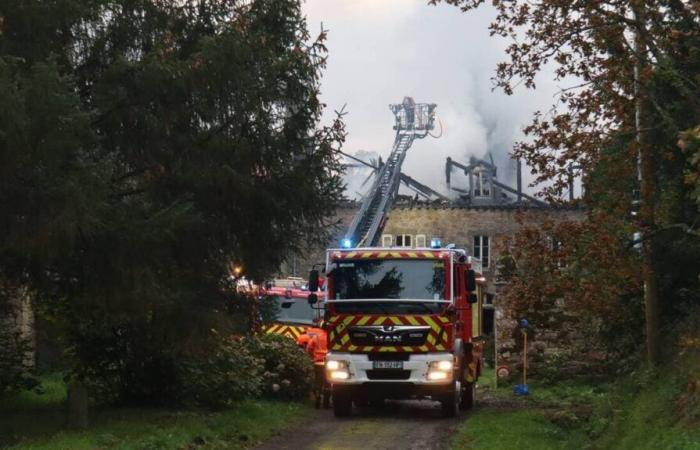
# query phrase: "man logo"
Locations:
[[388, 328]]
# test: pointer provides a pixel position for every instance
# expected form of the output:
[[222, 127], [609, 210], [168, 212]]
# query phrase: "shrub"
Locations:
[[123, 362], [288, 370], [229, 373]]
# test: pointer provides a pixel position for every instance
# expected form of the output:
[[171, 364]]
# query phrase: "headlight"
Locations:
[[437, 375], [440, 370], [442, 365], [337, 370], [339, 375], [335, 365]]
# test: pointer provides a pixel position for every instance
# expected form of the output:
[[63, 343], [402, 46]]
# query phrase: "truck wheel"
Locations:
[[450, 403], [468, 396], [342, 405]]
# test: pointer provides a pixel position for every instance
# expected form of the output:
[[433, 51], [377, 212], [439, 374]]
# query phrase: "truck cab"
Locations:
[[402, 323]]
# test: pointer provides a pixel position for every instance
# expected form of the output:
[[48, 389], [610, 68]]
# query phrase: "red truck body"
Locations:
[[403, 323]]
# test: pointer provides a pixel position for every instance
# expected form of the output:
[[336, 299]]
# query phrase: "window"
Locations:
[[481, 249], [481, 184], [403, 240], [420, 240], [387, 240]]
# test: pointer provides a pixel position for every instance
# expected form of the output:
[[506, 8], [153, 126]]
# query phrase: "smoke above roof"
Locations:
[[381, 51]]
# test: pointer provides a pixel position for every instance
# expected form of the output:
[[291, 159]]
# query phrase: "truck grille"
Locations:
[[388, 335], [388, 374], [388, 356]]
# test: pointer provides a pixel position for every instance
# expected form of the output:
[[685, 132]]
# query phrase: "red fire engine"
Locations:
[[300, 321], [402, 323]]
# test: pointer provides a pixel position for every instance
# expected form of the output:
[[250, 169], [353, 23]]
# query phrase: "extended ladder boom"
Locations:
[[413, 121]]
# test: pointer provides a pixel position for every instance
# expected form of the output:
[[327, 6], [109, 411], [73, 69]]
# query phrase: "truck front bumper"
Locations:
[[412, 381]]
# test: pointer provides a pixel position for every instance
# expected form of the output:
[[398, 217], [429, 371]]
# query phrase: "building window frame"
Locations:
[[421, 240], [387, 240], [404, 240], [482, 249], [482, 188]]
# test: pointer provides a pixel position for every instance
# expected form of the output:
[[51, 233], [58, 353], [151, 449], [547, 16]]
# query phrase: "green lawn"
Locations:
[[509, 430], [33, 421], [638, 413]]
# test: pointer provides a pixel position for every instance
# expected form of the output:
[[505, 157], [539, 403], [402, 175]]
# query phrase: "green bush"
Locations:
[[231, 372], [288, 370], [123, 362]]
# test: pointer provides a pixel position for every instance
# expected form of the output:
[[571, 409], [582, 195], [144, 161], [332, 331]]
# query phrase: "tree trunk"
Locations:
[[647, 187], [77, 405]]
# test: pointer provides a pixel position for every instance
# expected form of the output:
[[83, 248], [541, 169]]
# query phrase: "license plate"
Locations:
[[387, 365]]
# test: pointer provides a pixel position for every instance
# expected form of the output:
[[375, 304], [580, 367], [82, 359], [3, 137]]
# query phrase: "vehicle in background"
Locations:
[[299, 320]]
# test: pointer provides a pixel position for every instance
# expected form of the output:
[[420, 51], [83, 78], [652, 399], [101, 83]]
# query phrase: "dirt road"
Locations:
[[399, 425]]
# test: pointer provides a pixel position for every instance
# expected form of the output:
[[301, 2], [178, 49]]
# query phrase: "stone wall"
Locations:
[[17, 315]]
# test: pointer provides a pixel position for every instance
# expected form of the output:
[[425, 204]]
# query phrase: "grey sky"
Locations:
[[383, 50]]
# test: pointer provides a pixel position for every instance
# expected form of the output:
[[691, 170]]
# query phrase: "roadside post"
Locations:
[[523, 389]]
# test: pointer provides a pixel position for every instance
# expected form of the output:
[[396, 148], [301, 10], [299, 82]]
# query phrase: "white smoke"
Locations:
[[383, 50]]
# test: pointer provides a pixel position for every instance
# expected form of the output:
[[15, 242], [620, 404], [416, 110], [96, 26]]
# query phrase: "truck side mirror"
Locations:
[[313, 299], [313, 280], [473, 298], [470, 281]]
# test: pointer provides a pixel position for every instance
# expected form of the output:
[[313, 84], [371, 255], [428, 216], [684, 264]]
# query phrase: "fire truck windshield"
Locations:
[[390, 279], [294, 310]]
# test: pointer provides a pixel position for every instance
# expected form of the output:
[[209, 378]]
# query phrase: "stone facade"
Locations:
[[17, 316]]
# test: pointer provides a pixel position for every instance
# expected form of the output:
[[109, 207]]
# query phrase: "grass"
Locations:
[[639, 413], [506, 430], [34, 421]]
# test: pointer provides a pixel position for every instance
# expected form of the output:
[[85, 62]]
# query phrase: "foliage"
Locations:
[[244, 425], [224, 376], [595, 130], [123, 362], [288, 370], [145, 147]]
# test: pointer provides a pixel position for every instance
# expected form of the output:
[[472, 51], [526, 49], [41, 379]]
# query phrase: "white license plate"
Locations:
[[387, 365]]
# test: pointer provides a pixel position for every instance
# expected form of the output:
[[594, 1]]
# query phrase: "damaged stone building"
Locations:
[[484, 212]]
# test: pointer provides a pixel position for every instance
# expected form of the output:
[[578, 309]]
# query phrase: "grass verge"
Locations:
[[642, 412], [36, 421]]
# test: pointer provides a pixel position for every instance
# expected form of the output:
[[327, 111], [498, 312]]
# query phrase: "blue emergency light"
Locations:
[[346, 243], [435, 243]]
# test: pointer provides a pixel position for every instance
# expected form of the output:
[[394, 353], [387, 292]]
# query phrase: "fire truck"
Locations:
[[401, 324], [294, 315], [300, 321]]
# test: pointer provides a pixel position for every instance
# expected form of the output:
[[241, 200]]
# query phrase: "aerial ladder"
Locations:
[[413, 121]]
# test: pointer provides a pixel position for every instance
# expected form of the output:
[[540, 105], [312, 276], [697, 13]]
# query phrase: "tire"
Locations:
[[468, 396], [342, 405], [450, 403]]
